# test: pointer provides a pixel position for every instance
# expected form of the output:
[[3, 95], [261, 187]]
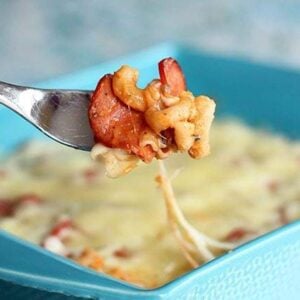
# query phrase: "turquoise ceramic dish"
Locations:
[[266, 268]]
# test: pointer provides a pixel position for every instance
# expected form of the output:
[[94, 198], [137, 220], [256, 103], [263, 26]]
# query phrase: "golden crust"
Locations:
[[92, 259]]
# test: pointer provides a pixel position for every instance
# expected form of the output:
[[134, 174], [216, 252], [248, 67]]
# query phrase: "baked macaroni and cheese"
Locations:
[[58, 198], [140, 124], [62, 200]]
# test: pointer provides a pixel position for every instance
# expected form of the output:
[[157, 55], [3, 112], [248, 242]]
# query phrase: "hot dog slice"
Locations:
[[116, 125], [171, 75]]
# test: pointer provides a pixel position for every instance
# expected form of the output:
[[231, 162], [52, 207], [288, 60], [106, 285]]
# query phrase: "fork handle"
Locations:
[[9, 95], [18, 98]]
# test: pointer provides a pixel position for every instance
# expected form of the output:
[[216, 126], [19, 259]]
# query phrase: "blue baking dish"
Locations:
[[265, 268]]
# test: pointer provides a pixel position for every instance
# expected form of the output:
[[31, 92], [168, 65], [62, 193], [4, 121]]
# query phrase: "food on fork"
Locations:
[[132, 124], [140, 124]]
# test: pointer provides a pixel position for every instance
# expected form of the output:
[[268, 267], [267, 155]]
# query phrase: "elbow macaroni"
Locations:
[[189, 118], [124, 86]]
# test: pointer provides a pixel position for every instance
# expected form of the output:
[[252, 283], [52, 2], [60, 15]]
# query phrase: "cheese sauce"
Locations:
[[249, 185]]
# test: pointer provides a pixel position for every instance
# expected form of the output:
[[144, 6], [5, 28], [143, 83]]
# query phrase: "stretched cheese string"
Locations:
[[192, 242]]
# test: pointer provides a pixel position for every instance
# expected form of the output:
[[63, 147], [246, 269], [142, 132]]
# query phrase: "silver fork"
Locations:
[[60, 114]]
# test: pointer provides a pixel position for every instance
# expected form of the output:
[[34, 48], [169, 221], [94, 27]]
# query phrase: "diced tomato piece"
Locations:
[[61, 225], [29, 199], [237, 234], [114, 124], [273, 186], [122, 253], [6, 208], [90, 174], [171, 74]]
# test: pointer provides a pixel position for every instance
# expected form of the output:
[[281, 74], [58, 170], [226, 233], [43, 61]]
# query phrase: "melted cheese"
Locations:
[[250, 178]]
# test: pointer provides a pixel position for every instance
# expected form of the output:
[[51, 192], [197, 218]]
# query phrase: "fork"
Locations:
[[60, 114]]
